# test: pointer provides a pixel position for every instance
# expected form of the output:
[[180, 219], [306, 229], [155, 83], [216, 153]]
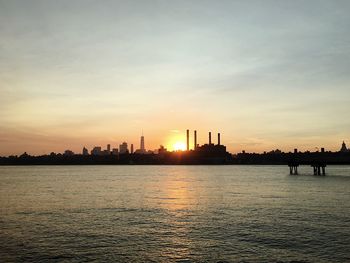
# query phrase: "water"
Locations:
[[174, 214]]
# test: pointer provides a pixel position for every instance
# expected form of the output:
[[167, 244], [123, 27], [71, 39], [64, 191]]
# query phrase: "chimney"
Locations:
[[219, 138], [209, 138], [188, 139], [195, 140]]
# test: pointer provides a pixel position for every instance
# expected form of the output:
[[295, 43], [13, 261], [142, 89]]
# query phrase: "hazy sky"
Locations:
[[267, 74]]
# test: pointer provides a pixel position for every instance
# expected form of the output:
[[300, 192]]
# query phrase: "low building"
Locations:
[[96, 150], [68, 153], [123, 148], [85, 151]]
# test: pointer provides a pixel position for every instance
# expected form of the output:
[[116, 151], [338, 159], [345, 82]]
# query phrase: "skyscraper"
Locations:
[[142, 149], [142, 144]]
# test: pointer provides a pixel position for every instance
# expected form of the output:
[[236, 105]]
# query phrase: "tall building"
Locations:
[[142, 144], [108, 148], [123, 148], [142, 149], [132, 148]]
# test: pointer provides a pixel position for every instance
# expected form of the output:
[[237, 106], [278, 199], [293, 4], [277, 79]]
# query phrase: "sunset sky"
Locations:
[[266, 74]]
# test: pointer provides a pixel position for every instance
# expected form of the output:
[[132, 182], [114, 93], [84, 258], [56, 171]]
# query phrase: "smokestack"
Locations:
[[188, 139], [195, 140], [219, 138], [209, 138]]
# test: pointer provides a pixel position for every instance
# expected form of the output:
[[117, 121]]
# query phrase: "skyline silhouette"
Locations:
[[190, 144], [209, 152]]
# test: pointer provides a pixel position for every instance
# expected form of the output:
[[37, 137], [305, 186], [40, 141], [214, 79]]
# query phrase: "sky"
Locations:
[[266, 74]]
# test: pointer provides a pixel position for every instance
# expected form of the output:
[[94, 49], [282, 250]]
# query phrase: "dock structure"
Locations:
[[319, 168], [293, 168], [294, 164]]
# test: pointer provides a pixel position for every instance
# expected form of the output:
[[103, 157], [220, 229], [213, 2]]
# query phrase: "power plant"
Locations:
[[195, 145], [209, 153], [207, 147]]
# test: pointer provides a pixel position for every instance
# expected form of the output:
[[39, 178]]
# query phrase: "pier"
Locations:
[[318, 162], [293, 168], [319, 168]]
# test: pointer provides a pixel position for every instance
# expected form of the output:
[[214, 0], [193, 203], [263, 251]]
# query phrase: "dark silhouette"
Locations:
[[205, 154]]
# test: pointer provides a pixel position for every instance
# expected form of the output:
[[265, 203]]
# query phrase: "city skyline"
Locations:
[[176, 140], [209, 152], [272, 74], [189, 143]]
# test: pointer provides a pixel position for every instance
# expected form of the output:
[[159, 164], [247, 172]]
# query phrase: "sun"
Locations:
[[179, 146]]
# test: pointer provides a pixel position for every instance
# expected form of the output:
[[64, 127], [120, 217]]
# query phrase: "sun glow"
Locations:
[[175, 141], [179, 146]]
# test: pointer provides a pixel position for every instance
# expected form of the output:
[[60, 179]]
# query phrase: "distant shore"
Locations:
[[183, 158]]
